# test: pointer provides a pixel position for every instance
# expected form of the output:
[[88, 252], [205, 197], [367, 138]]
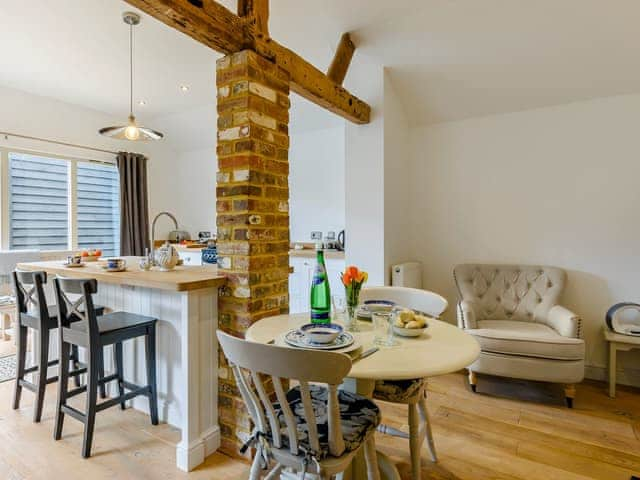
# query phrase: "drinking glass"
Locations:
[[381, 326], [339, 306]]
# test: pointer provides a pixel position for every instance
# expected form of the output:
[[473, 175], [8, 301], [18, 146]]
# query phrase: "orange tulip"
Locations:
[[353, 275]]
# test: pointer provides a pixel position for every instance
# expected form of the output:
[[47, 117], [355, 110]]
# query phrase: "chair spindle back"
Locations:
[[28, 288], [81, 309], [277, 363]]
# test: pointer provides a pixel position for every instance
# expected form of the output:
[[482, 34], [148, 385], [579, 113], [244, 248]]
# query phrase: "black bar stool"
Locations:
[[112, 329], [29, 292]]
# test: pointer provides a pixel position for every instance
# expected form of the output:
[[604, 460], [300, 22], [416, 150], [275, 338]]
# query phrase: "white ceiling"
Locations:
[[449, 59]]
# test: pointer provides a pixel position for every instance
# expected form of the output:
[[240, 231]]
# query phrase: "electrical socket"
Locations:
[[316, 235]]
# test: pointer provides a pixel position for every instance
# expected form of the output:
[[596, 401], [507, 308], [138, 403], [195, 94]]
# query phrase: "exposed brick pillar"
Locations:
[[253, 209]]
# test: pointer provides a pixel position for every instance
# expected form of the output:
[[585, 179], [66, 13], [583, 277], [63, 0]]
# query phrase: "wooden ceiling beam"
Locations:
[[257, 14], [206, 21], [213, 25], [312, 84], [340, 64]]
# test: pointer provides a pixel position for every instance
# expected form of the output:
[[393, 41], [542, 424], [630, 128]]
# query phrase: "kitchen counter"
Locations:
[[311, 253], [181, 279], [185, 302], [184, 248]]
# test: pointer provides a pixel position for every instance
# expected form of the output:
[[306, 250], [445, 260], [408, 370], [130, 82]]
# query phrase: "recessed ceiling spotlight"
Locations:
[[184, 88], [142, 103]]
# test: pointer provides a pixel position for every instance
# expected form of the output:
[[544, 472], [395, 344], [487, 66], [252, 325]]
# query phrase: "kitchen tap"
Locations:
[[153, 232]]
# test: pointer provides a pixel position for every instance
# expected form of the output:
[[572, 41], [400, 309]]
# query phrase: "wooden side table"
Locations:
[[617, 342]]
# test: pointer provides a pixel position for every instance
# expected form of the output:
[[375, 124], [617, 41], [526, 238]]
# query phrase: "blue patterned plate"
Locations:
[[296, 338]]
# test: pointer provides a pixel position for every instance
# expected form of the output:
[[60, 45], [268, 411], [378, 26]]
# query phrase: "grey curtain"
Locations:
[[134, 203]]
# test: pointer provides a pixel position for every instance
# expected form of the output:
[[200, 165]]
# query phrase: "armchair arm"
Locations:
[[466, 314], [565, 322]]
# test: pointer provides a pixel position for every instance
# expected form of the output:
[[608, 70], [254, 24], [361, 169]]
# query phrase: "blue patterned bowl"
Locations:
[[322, 334]]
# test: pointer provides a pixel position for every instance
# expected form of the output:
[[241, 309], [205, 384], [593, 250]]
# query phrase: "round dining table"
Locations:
[[442, 348]]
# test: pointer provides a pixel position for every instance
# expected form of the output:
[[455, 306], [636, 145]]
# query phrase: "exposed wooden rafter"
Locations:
[[226, 34], [257, 13], [340, 64], [213, 25]]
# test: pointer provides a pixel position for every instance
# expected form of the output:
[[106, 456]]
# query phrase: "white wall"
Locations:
[[364, 177], [556, 186], [397, 221], [194, 180], [32, 115], [316, 182]]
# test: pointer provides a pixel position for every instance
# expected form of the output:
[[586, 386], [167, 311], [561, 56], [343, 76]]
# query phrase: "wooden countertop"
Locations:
[[181, 279], [311, 253]]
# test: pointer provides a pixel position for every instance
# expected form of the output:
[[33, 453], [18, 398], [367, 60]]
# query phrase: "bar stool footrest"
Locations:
[[127, 396], [34, 368], [72, 412]]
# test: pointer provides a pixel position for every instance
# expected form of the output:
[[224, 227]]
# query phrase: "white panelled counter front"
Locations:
[[185, 302]]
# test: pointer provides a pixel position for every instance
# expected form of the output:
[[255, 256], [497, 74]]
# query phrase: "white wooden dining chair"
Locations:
[[312, 428], [412, 393]]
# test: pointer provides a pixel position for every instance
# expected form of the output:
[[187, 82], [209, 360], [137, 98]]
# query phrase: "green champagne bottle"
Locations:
[[320, 293]]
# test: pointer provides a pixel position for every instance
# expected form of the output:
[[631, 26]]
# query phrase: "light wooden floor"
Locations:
[[478, 437]]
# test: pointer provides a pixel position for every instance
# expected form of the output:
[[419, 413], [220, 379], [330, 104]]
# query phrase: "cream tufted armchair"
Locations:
[[512, 311]]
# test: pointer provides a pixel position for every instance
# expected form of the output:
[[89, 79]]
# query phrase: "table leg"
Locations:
[[612, 369], [4, 321], [358, 469]]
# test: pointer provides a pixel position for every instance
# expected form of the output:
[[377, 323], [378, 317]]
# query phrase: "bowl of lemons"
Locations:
[[408, 323]]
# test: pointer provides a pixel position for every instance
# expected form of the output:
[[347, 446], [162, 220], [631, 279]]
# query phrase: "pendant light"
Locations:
[[131, 131]]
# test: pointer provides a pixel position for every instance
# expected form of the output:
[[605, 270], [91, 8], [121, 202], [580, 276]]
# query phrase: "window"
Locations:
[[38, 203], [98, 208], [61, 204]]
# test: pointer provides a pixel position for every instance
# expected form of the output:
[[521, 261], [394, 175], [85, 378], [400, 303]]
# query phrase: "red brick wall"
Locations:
[[253, 209]]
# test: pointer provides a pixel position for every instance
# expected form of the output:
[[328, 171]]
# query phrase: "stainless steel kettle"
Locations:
[[340, 242], [177, 236]]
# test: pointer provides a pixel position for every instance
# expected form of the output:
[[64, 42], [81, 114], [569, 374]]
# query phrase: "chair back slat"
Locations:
[[250, 399], [289, 420], [268, 407], [80, 309], [336, 440], [310, 416], [305, 366], [29, 292]]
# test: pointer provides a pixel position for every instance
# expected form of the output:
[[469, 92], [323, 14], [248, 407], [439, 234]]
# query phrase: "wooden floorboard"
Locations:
[[511, 430]]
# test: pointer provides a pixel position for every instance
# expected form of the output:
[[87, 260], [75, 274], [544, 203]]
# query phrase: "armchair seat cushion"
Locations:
[[526, 339], [358, 417]]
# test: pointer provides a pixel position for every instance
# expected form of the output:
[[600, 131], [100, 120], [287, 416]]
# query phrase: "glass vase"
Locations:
[[351, 318]]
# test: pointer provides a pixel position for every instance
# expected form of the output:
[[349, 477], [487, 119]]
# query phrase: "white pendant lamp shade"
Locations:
[[131, 131]]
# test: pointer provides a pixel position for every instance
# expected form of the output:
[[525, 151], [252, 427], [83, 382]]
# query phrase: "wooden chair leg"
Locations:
[[255, 471], [102, 386], [275, 472], [424, 414], [569, 394], [63, 386], [75, 362], [371, 459], [43, 367], [415, 440], [93, 373], [21, 356], [473, 380], [120, 371], [150, 349]]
